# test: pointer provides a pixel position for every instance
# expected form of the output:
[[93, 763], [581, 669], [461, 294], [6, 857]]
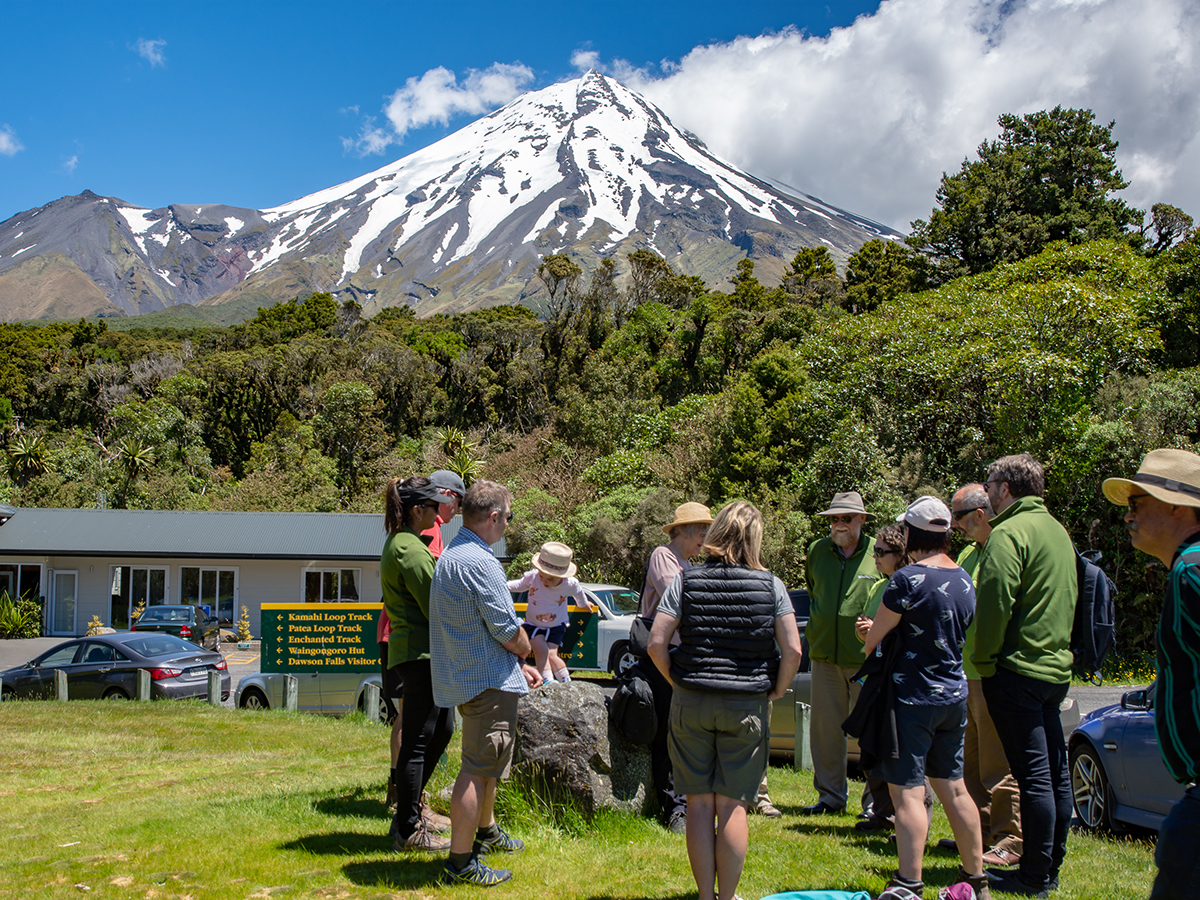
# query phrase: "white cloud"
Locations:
[[870, 116], [586, 59], [9, 145], [70, 164], [436, 97], [151, 51]]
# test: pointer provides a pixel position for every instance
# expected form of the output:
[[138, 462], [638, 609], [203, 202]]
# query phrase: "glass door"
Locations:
[[214, 588], [134, 586], [62, 614]]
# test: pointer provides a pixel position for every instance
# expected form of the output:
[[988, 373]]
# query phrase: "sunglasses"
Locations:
[[431, 504], [845, 520], [959, 513], [880, 552]]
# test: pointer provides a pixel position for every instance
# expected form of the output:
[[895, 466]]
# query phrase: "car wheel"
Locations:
[[620, 660], [253, 698], [115, 693], [1090, 790]]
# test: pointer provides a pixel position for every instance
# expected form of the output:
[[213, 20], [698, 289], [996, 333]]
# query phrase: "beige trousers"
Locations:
[[833, 696], [989, 781]]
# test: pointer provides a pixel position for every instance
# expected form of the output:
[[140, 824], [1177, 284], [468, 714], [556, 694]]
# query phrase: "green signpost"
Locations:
[[319, 637]]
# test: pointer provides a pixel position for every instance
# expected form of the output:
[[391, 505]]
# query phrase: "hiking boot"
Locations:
[[475, 872], [435, 821], [900, 888], [1010, 881], [999, 856], [501, 842], [765, 808], [967, 887], [422, 839], [677, 822], [821, 809], [873, 823]]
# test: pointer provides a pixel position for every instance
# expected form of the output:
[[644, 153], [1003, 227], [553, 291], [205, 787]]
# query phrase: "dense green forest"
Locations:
[[1033, 312]]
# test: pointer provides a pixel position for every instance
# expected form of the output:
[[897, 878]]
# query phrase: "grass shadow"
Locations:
[[363, 802], [341, 843], [400, 871]]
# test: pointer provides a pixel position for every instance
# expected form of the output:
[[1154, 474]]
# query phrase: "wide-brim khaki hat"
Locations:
[[849, 502], [554, 559], [1172, 476], [690, 514]]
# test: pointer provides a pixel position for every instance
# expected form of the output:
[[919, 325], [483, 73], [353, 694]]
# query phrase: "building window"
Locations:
[[211, 587], [134, 586], [19, 580], [331, 585]]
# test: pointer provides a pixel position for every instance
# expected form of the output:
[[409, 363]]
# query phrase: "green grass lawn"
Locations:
[[183, 800]]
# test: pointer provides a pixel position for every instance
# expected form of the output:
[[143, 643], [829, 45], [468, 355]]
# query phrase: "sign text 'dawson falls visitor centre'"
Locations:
[[307, 637]]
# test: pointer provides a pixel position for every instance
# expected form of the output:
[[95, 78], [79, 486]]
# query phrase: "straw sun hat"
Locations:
[[690, 514], [554, 559], [1172, 476]]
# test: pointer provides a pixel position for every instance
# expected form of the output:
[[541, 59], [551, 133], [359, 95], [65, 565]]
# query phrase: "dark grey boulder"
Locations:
[[566, 751]]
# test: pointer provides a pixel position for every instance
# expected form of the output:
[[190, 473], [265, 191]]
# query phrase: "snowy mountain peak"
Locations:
[[586, 167]]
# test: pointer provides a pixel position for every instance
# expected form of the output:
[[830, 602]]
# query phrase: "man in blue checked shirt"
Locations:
[[477, 651], [1164, 521]]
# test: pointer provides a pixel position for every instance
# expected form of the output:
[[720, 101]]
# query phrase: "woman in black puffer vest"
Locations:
[[733, 618]]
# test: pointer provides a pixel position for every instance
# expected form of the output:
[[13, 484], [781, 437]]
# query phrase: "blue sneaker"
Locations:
[[502, 841], [475, 872]]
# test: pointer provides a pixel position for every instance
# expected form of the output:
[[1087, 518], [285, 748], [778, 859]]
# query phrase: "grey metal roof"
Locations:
[[196, 535]]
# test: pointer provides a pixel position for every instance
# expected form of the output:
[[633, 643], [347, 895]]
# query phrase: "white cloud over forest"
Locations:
[[870, 116]]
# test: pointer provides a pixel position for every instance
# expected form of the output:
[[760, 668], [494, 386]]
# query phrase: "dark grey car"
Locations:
[[191, 623], [105, 667]]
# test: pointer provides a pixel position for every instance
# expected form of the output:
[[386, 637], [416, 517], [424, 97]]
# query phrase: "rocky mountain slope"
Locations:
[[585, 167]]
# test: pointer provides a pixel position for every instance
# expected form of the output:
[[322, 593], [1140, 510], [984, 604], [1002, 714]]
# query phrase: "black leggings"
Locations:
[[425, 730]]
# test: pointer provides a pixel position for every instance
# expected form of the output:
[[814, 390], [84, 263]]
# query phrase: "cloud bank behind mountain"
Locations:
[[870, 116]]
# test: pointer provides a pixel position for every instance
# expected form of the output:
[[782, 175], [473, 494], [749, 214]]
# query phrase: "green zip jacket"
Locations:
[[405, 573], [1025, 595], [969, 561], [838, 589]]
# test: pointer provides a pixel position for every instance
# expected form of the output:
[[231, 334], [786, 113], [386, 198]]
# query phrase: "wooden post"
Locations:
[[371, 702], [60, 684], [291, 692], [143, 688], [803, 757], [214, 688]]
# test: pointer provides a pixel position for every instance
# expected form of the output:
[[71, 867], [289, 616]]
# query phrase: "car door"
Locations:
[[1148, 785], [36, 682], [96, 671]]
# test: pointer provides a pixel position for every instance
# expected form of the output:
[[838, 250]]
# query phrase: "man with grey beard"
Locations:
[[840, 571], [985, 768]]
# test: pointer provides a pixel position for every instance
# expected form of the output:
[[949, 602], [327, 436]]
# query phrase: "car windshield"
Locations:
[[163, 614], [620, 601], [154, 646]]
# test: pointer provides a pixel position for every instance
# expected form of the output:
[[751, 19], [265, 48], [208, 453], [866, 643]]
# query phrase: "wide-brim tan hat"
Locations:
[[554, 559], [690, 514], [1172, 476], [849, 502]]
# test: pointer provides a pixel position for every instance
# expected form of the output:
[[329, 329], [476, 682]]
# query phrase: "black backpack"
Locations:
[[631, 709], [1093, 631]]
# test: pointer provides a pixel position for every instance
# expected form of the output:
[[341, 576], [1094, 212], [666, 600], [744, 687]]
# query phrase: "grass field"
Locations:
[[183, 800]]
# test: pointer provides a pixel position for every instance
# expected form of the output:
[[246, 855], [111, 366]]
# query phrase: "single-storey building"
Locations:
[[105, 562]]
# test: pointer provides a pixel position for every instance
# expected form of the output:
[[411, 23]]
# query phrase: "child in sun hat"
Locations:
[[551, 585]]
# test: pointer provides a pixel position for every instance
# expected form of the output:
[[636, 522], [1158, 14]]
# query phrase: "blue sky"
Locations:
[[256, 103]]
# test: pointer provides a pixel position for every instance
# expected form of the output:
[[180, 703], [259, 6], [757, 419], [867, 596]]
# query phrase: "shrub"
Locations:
[[20, 617]]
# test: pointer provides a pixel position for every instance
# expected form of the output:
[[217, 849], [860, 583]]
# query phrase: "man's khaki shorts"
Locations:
[[489, 730]]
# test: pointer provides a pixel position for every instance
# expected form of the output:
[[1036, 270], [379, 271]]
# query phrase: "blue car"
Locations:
[[1118, 777]]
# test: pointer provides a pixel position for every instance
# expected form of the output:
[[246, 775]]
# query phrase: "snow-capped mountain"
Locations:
[[585, 167]]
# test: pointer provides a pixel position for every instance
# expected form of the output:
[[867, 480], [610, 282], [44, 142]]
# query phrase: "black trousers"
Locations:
[[1025, 712], [660, 759], [425, 730]]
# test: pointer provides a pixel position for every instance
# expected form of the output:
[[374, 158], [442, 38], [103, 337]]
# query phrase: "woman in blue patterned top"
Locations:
[[928, 605]]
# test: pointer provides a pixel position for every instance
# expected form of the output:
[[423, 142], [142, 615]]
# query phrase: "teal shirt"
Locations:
[[838, 589], [1025, 595]]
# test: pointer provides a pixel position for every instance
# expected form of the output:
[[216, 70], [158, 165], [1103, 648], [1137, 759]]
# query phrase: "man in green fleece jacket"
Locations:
[[840, 571], [1025, 605]]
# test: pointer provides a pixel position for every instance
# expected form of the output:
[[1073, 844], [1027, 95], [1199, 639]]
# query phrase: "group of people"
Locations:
[[969, 658]]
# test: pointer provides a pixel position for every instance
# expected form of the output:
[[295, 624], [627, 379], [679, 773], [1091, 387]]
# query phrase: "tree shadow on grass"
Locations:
[[399, 871], [341, 843], [363, 802], [690, 895]]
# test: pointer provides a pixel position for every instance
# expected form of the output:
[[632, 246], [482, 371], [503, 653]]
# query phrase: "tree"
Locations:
[[1049, 177], [881, 270], [1169, 224]]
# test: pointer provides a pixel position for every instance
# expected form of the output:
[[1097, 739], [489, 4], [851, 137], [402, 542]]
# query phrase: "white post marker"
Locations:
[[143, 687], [214, 688], [291, 693], [803, 747], [60, 684]]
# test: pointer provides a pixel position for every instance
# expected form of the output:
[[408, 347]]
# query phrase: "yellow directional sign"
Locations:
[[319, 637]]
